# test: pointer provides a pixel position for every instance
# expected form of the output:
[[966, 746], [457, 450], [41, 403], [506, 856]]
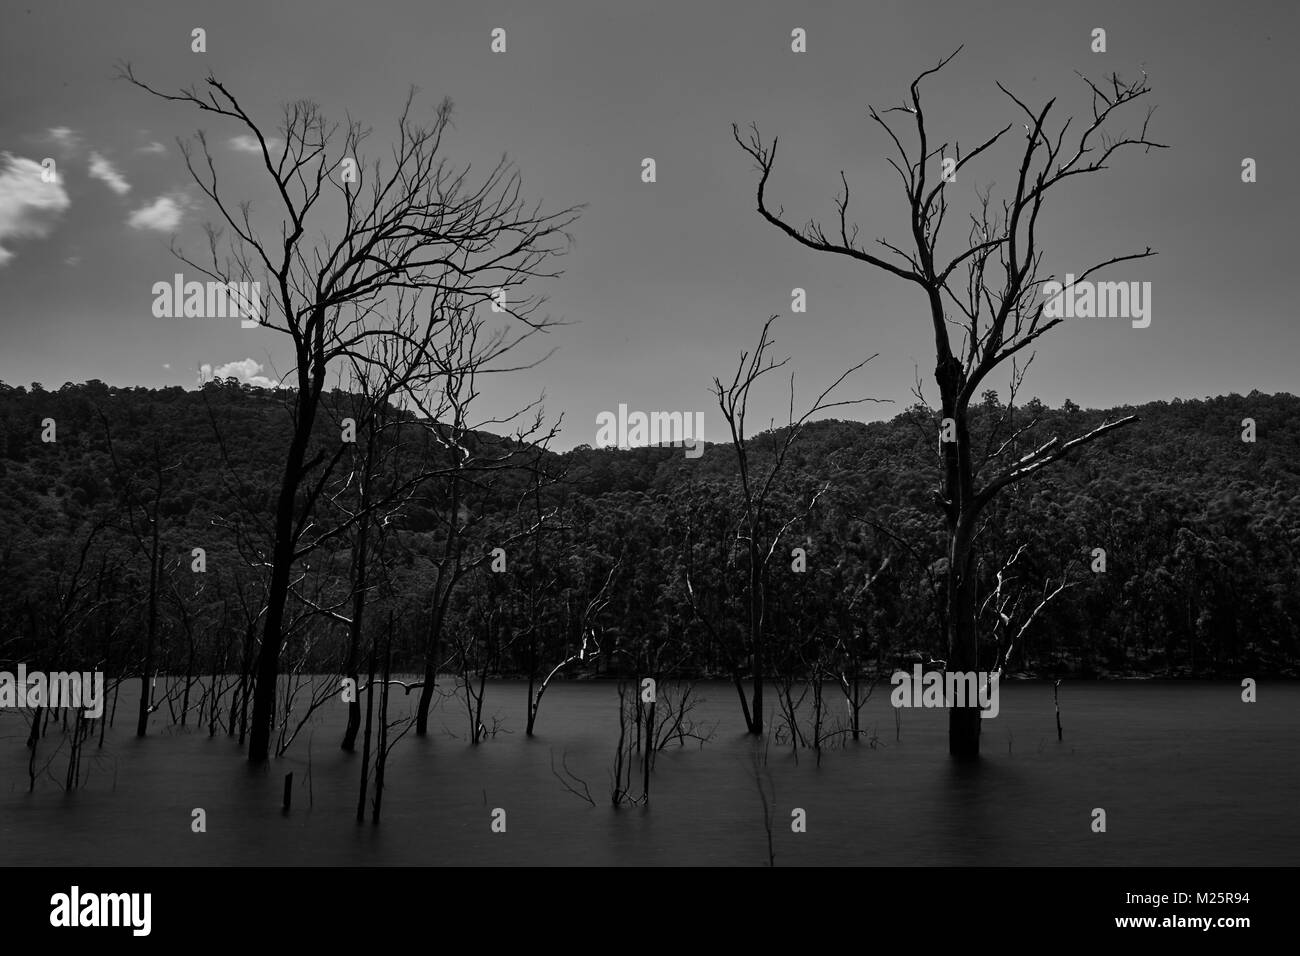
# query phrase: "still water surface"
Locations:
[[1186, 772]]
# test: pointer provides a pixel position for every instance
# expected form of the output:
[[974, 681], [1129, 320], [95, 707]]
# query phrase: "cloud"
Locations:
[[103, 170], [28, 206], [246, 370], [66, 139], [246, 143], [164, 214], [154, 147]]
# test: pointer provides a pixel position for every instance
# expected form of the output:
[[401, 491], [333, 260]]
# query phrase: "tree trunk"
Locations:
[[532, 705], [426, 698], [268, 659], [756, 598], [430, 668], [963, 722], [359, 577], [744, 701], [381, 753], [213, 716], [649, 751], [962, 509], [365, 747], [245, 673], [142, 720], [189, 683], [354, 632]]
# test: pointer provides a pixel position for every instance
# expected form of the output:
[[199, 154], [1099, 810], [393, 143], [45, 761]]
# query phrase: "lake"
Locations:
[[1187, 773]]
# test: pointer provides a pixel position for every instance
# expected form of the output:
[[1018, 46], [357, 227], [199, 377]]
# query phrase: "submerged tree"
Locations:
[[350, 236], [761, 527], [989, 293]]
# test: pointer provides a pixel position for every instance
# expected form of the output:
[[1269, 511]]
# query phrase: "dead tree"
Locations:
[[760, 464], [351, 233], [588, 646], [620, 784], [542, 588], [989, 292], [146, 532], [1010, 608], [845, 659], [390, 732], [381, 483], [474, 462]]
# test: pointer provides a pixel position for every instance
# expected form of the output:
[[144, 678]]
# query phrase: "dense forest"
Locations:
[[503, 558]]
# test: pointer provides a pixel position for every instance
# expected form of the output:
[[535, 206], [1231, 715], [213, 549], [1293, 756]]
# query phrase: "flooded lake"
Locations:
[[1187, 773]]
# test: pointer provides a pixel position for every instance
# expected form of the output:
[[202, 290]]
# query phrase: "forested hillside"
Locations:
[[627, 560]]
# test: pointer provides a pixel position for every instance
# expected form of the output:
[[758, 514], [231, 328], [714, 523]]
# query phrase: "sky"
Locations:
[[667, 282]]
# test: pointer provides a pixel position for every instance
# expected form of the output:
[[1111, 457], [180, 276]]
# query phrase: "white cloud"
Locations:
[[66, 139], [246, 370], [167, 365], [164, 214], [154, 147], [28, 206], [103, 170], [246, 143]]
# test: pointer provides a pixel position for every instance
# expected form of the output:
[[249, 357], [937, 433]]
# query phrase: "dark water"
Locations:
[[1186, 772]]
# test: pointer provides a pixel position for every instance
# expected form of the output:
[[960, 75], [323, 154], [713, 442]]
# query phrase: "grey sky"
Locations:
[[667, 282]]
